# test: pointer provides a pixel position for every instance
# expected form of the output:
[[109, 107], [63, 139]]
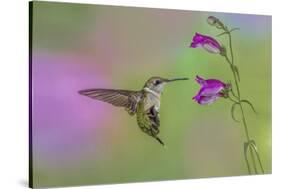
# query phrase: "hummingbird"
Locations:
[[144, 103]]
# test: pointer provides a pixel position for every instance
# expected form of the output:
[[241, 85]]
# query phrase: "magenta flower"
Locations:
[[211, 90], [208, 43]]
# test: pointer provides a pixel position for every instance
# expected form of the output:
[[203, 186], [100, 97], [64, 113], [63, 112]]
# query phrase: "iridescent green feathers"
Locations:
[[149, 120], [145, 103], [134, 102]]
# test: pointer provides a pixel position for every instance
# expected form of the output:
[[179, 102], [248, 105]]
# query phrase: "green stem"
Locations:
[[231, 64], [248, 137], [235, 77], [230, 46], [233, 100], [243, 117], [247, 161], [253, 145]]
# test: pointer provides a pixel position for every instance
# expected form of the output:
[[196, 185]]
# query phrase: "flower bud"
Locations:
[[212, 20]]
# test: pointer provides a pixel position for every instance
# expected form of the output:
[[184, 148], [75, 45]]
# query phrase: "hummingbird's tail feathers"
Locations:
[[160, 141]]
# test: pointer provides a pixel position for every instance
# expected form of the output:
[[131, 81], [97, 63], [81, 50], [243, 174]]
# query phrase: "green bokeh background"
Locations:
[[127, 46]]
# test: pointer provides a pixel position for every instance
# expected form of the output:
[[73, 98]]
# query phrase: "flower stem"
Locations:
[[238, 96], [248, 137], [230, 46]]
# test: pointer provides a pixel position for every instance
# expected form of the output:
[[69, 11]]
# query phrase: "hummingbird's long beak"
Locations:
[[177, 79]]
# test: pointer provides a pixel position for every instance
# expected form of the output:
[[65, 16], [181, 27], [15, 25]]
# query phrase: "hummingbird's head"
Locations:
[[157, 84]]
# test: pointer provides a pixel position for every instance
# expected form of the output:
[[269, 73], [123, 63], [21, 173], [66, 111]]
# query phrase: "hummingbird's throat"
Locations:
[[146, 89]]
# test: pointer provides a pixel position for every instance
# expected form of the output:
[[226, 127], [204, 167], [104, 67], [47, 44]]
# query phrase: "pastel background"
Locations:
[[80, 141]]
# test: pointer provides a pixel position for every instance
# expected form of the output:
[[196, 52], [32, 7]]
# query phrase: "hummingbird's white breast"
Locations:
[[152, 99]]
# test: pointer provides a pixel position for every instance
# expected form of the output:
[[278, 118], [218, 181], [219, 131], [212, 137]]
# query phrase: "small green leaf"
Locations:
[[254, 147], [223, 33], [231, 90], [233, 29], [237, 72], [233, 112], [223, 51], [250, 104], [246, 145]]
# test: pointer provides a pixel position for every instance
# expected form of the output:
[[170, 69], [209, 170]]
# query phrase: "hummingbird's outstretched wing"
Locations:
[[119, 98]]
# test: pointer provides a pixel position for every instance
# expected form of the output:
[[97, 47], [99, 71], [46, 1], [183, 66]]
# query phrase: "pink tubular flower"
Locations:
[[208, 43], [211, 90]]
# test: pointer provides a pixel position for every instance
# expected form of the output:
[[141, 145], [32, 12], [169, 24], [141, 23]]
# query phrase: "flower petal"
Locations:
[[215, 82], [200, 80], [210, 87], [211, 48], [203, 100], [210, 91], [206, 42]]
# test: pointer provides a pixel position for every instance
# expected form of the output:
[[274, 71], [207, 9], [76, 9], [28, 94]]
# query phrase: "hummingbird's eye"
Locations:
[[157, 82]]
